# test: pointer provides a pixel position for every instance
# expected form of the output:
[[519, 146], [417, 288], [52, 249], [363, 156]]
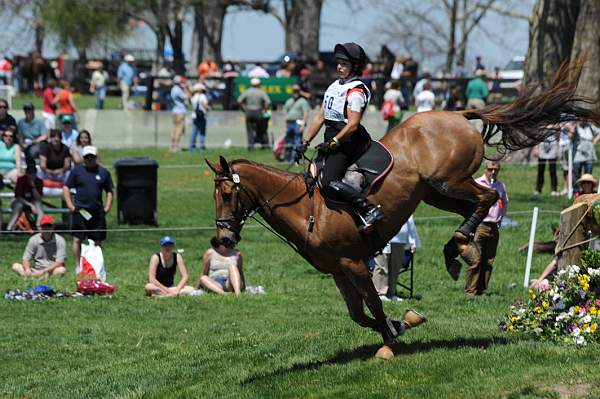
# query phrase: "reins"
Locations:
[[250, 213]]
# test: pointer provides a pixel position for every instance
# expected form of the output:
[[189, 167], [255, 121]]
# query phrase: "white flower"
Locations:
[[587, 330], [556, 297], [521, 310], [562, 316], [573, 271], [586, 319], [580, 340], [593, 272], [537, 330], [576, 332]]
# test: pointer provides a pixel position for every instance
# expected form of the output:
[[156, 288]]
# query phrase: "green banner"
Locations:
[[278, 89]]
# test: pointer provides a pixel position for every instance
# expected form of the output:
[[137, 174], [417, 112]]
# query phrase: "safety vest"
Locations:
[[335, 100]]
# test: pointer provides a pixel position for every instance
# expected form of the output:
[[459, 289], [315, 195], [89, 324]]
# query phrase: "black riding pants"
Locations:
[[338, 161]]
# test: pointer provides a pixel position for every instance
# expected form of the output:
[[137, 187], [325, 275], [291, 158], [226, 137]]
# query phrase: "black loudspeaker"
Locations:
[[136, 190]]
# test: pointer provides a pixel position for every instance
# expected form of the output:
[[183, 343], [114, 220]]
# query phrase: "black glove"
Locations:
[[301, 149]]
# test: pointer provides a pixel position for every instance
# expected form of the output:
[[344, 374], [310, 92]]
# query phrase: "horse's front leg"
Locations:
[[358, 274], [354, 302]]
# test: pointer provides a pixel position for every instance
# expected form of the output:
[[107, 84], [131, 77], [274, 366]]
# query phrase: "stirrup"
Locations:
[[369, 218]]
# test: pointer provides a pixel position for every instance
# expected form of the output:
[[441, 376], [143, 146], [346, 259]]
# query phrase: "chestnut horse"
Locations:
[[435, 156]]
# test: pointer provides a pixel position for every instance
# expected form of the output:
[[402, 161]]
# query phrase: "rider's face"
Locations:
[[343, 69]]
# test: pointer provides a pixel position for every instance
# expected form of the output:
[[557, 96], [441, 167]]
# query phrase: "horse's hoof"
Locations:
[[385, 353], [413, 319], [453, 269]]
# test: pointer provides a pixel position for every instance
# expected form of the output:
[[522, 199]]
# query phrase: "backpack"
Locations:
[[387, 109]]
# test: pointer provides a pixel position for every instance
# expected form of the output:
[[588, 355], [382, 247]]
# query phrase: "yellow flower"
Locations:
[[510, 328], [586, 325], [533, 296], [577, 309], [593, 310], [537, 309], [585, 287], [514, 318], [593, 328], [545, 304]]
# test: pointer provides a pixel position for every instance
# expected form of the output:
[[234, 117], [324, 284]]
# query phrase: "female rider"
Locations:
[[344, 104]]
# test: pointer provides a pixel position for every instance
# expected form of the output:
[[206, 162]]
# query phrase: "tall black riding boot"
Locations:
[[369, 212]]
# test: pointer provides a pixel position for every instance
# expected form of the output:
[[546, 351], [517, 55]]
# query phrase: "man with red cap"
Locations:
[[44, 254]]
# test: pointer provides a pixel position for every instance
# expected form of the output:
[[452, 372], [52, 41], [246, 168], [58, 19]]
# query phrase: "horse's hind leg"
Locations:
[[472, 201], [354, 302]]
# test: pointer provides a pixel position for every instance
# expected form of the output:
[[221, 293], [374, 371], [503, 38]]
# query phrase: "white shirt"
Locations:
[[341, 94], [397, 70], [407, 235], [425, 101], [258, 72], [199, 101]]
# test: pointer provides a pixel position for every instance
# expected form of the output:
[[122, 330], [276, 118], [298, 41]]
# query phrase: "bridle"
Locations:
[[232, 223]]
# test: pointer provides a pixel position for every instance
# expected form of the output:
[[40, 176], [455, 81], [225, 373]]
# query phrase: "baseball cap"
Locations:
[[47, 220], [66, 119], [179, 79], [255, 82], [90, 150], [129, 58], [167, 240], [27, 106]]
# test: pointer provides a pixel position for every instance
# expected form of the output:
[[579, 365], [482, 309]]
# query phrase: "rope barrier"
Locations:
[[251, 225]]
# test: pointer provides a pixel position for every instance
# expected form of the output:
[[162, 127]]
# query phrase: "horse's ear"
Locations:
[[224, 164], [215, 168]]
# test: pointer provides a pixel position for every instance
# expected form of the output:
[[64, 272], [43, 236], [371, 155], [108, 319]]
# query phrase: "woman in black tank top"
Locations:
[[161, 273]]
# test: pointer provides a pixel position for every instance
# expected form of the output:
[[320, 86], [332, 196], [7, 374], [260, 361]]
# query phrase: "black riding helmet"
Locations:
[[352, 53]]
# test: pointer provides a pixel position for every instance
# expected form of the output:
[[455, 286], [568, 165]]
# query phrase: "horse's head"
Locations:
[[230, 211]]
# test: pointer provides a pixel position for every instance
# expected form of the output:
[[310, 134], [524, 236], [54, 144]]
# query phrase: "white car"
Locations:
[[513, 71], [514, 68]]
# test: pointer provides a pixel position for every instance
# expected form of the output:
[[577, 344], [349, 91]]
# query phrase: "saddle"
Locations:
[[364, 174]]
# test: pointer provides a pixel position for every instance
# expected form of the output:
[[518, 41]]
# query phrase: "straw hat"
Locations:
[[198, 87], [586, 177]]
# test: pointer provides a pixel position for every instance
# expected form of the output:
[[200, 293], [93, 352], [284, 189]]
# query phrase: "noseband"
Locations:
[[230, 222]]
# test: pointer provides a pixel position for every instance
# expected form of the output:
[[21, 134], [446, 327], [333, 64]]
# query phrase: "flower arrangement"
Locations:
[[567, 309]]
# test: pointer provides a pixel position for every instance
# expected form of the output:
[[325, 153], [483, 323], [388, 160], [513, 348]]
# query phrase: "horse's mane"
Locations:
[[268, 168]]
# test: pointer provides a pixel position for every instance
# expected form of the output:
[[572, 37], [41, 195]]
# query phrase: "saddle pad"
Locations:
[[374, 164]]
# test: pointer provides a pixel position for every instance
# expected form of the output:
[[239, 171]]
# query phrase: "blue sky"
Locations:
[[252, 35]]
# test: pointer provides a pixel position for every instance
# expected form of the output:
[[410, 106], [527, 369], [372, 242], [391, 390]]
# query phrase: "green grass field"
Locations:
[[294, 342]]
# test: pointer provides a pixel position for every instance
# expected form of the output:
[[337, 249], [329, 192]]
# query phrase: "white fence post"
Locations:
[[530, 248]]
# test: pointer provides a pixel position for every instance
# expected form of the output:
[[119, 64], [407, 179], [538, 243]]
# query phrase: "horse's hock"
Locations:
[[579, 226]]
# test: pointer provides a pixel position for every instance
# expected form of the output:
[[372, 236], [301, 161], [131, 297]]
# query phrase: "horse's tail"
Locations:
[[534, 116]]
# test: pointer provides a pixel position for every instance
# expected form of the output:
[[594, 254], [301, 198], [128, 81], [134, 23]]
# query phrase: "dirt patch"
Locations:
[[572, 391]]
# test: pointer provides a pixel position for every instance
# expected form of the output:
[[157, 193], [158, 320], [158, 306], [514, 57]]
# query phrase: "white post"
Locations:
[[530, 249], [570, 172]]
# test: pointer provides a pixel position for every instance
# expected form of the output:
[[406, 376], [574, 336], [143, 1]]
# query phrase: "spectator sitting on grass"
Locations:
[[84, 139], [45, 253], [10, 155], [223, 268], [33, 133], [68, 134], [54, 159], [6, 119], [161, 273], [28, 197]]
